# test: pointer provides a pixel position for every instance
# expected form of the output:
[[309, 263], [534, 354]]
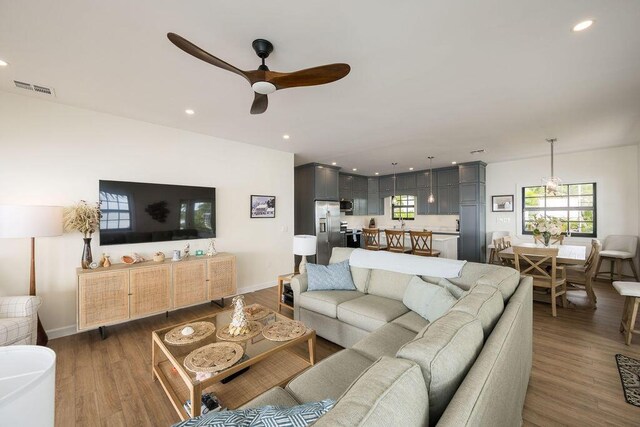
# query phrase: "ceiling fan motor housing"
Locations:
[[262, 47]]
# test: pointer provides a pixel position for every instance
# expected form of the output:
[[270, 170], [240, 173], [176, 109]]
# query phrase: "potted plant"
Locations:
[[547, 227], [84, 218]]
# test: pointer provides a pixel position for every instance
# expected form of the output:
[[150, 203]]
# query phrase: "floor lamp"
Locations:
[[31, 222]]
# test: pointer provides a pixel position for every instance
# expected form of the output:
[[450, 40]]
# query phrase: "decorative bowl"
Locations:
[[158, 257]]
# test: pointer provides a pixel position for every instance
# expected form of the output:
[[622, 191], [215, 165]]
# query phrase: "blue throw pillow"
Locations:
[[296, 416], [330, 277]]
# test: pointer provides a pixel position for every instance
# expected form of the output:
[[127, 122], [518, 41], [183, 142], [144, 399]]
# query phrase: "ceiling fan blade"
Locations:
[[203, 55], [260, 103], [309, 77]]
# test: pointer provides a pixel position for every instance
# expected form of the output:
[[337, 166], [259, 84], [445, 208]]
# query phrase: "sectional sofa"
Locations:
[[469, 367]]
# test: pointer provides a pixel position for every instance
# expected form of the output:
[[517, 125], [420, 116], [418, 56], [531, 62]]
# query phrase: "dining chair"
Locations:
[[422, 243], [555, 240], [497, 246], [581, 276], [631, 293], [371, 239], [534, 261], [395, 241], [618, 249], [492, 252]]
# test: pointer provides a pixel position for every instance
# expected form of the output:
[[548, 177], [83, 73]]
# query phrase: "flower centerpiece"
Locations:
[[547, 227], [84, 218]]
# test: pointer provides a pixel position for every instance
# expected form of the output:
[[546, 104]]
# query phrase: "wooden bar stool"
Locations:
[[421, 243], [371, 239], [631, 292], [395, 241]]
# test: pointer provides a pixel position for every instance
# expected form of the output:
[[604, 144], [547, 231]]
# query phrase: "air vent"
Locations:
[[480, 151], [35, 88]]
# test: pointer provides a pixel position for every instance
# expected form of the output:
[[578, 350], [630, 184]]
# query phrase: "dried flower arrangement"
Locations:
[[82, 217]]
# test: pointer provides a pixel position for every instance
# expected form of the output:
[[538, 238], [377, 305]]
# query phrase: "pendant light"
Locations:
[[552, 182], [393, 199], [431, 199]]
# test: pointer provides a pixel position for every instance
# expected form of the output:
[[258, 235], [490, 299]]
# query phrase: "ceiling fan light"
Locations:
[[263, 88]]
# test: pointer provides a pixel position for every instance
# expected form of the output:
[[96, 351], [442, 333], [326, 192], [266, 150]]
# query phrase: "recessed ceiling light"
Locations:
[[454, 163], [377, 173], [189, 111], [581, 26], [354, 169], [3, 63], [285, 136], [334, 163], [410, 169]]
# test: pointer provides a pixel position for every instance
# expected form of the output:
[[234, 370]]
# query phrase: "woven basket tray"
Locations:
[[213, 357], [256, 312], [201, 331], [284, 330], [254, 329]]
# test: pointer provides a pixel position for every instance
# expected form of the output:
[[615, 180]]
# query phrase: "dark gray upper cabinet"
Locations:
[[447, 176], [346, 182], [472, 173], [374, 204], [386, 184], [406, 181], [360, 183], [373, 185], [360, 203], [424, 207], [472, 212], [326, 183], [423, 179]]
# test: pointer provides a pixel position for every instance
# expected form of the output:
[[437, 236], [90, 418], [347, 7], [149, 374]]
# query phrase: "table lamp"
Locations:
[[31, 221], [304, 245]]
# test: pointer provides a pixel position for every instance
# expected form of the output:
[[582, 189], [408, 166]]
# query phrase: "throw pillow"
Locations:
[[296, 416], [428, 300], [330, 277], [454, 290]]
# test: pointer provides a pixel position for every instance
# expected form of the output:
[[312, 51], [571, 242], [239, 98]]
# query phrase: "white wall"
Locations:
[[51, 154], [614, 170]]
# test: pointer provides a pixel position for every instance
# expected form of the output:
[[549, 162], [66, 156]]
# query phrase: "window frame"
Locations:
[[405, 207], [544, 210], [105, 211]]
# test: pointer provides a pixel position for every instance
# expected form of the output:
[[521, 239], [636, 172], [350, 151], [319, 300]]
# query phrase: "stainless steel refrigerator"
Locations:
[[327, 230]]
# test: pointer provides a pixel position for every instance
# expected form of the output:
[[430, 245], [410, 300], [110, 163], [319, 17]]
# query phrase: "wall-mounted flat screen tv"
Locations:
[[135, 212]]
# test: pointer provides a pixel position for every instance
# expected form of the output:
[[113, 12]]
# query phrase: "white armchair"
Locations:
[[19, 320]]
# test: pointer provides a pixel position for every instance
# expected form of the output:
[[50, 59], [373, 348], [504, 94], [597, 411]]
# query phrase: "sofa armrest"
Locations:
[[23, 306], [299, 285]]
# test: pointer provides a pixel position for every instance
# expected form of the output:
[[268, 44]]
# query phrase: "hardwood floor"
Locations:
[[574, 380]]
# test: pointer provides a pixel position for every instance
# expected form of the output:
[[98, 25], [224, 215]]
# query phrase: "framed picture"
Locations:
[[263, 206], [502, 203]]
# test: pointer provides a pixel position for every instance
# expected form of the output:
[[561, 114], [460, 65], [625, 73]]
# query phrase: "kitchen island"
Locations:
[[444, 241]]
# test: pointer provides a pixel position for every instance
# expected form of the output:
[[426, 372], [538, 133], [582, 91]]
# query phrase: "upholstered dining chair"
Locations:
[[422, 243], [617, 249], [581, 276], [371, 239], [534, 263], [555, 240], [493, 254], [498, 245], [395, 241]]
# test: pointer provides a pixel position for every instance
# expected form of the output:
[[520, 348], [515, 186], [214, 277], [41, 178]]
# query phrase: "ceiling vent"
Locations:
[[35, 88], [480, 151]]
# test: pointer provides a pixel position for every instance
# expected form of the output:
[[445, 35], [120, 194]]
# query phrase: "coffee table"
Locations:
[[272, 363]]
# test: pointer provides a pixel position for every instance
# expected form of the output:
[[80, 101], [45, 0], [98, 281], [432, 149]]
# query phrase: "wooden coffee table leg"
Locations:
[[312, 349], [280, 285], [196, 400], [153, 358]]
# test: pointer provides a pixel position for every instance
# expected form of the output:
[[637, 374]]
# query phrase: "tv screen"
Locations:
[[135, 212]]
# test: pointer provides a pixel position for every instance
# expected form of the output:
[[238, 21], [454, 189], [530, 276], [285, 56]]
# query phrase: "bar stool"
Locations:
[[618, 249], [631, 292], [371, 238], [422, 243], [395, 241]]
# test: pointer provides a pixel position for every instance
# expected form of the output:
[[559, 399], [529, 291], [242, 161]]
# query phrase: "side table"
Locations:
[[282, 280]]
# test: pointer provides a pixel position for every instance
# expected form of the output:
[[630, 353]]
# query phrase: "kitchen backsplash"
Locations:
[[444, 223]]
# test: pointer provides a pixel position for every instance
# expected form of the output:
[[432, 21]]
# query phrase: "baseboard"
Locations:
[[71, 329]]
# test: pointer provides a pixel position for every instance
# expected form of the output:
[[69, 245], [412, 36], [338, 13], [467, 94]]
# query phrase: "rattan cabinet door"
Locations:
[[149, 290], [222, 277], [103, 298], [189, 283]]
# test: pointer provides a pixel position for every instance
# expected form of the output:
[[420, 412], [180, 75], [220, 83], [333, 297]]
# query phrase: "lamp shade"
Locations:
[[304, 244], [30, 221]]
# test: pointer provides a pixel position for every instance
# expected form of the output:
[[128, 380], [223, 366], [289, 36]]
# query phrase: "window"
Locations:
[[403, 207], [116, 212], [574, 204]]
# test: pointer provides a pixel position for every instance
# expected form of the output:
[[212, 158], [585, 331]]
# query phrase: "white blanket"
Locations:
[[408, 264]]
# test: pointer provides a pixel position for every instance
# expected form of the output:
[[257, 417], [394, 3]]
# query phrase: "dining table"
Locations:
[[567, 254]]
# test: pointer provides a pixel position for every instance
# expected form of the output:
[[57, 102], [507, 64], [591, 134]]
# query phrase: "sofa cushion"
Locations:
[[485, 303], [445, 351], [330, 277], [505, 279], [391, 392], [454, 290], [13, 329], [428, 300], [470, 274], [329, 378], [359, 275], [384, 341], [369, 312], [276, 396], [326, 302], [388, 284], [412, 321]]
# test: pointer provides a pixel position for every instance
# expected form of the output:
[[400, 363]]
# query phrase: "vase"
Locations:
[[547, 237], [87, 259]]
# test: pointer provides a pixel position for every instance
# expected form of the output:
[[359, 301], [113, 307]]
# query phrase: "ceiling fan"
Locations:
[[264, 81]]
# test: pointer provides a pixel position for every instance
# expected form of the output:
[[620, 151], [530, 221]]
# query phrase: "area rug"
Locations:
[[629, 370]]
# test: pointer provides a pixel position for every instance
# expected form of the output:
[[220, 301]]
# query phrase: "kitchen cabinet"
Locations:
[[406, 181], [447, 177], [386, 186], [374, 204], [447, 200], [373, 185], [360, 202], [423, 179], [326, 183], [360, 184], [345, 181], [424, 207], [473, 211]]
